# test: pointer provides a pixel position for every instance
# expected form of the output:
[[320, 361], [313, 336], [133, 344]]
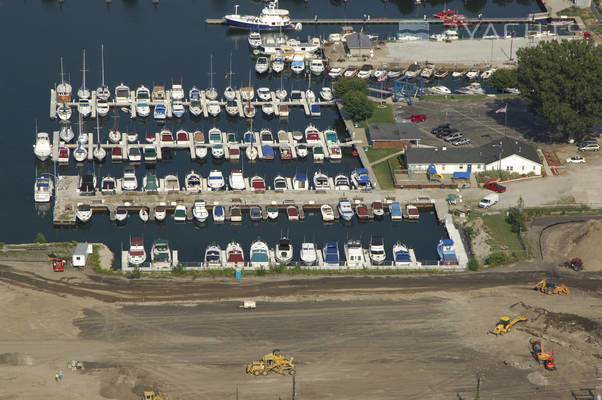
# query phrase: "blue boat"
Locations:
[[401, 254], [219, 214], [315, 110], [446, 251], [160, 112], [271, 18], [361, 179], [255, 213], [331, 253], [268, 152], [259, 256], [249, 137], [396, 214]]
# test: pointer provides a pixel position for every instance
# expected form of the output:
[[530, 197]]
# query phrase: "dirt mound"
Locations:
[[574, 239], [587, 245], [15, 359]]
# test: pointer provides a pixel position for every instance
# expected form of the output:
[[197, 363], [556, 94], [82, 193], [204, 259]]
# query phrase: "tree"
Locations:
[[40, 238], [345, 85], [358, 105], [503, 78], [562, 82]]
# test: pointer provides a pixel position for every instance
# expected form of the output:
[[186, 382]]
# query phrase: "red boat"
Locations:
[[150, 138], [285, 153], [312, 137], [293, 213], [234, 153], [63, 154], [257, 184], [377, 209], [234, 254], [116, 154], [444, 14], [166, 136], [182, 137], [362, 212]]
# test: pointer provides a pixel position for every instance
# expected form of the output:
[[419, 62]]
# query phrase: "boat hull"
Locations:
[[250, 23]]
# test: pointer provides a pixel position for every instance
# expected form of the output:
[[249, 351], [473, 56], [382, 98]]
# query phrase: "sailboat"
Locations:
[[83, 92], [63, 89], [102, 92], [114, 134], [229, 93], [247, 93], [281, 93], [99, 152], [211, 93]]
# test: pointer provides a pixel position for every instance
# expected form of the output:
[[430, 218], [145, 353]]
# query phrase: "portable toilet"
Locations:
[[80, 255], [238, 274]]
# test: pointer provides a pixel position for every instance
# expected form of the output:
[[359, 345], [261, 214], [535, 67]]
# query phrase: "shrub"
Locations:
[[516, 219], [473, 264], [40, 238], [497, 259]]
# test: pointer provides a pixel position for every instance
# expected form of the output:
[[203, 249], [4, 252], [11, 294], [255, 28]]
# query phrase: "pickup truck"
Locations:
[[489, 200]]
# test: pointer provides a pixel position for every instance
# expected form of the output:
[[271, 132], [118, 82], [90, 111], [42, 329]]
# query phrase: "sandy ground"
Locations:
[[579, 239]]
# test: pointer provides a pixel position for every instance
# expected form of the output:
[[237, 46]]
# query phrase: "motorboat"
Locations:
[[312, 136], [487, 74], [171, 184], [439, 90], [335, 73], [316, 66], [160, 213], [327, 213], [300, 182], [179, 214], [318, 153], [158, 95], [160, 112], [199, 211], [377, 250], [108, 185], [214, 108], [177, 108], [234, 254], [102, 92], [83, 212], [330, 252], [310, 96], [292, 212], [83, 107], [334, 151], [231, 108], [177, 90], [251, 152], [213, 256], [277, 64], [132, 137], [280, 183], [150, 153], [364, 73], [216, 180], [167, 137], [396, 213], [259, 254], [121, 214], [401, 254], [350, 72], [266, 137], [471, 74], [326, 94], [143, 214], [134, 154], [42, 147], [361, 179], [354, 253], [302, 151], [362, 212], [235, 213], [377, 209], [380, 73], [284, 250], [150, 183], [122, 93], [63, 111], [87, 184], [271, 18], [427, 72], [219, 214], [129, 182], [195, 107], [345, 210], [80, 153], [456, 74], [341, 182], [262, 65], [267, 109], [254, 40], [281, 94], [473, 88], [321, 181], [66, 133], [64, 153], [142, 101], [298, 64], [161, 254], [236, 180], [258, 184], [192, 182], [412, 212], [272, 212], [413, 70], [255, 214], [394, 73], [285, 152], [248, 137], [441, 73], [308, 254], [264, 93], [215, 140], [296, 96], [43, 188]]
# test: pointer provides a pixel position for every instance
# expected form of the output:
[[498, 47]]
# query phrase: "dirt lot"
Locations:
[[397, 337]]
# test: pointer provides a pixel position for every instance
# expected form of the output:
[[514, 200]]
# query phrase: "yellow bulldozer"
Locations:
[[153, 396], [550, 287], [272, 362], [505, 324]]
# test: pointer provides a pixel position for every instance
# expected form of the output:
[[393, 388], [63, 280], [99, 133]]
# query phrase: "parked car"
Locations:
[[440, 128], [453, 136], [489, 200], [416, 118], [589, 147], [575, 160], [587, 35], [496, 187], [446, 131], [461, 142]]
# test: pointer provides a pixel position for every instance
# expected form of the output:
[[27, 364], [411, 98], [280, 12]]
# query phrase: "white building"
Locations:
[[80, 255]]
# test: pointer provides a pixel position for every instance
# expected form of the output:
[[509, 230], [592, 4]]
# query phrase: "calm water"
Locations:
[[150, 45]]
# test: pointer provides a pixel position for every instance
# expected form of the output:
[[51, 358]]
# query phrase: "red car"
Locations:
[[496, 187], [416, 118], [587, 35]]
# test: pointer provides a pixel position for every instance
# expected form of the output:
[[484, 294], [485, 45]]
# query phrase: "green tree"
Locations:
[[563, 82], [358, 105], [345, 85], [473, 264], [40, 238], [503, 78]]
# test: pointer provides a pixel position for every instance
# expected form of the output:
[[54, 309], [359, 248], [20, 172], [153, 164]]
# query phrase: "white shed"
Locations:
[[80, 254]]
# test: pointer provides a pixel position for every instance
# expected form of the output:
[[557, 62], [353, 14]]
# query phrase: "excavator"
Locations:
[[541, 356], [550, 287], [272, 362], [154, 396], [505, 324]]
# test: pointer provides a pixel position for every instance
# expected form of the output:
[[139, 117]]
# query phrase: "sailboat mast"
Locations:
[[230, 73], [211, 73], [102, 66], [84, 72], [62, 74]]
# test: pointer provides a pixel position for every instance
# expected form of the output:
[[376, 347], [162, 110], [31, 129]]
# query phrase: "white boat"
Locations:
[[377, 250], [63, 89], [254, 40], [273, 212], [271, 18], [83, 92], [161, 255], [129, 182], [64, 112], [487, 74], [177, 108], [277, 64], [251, 152], [80, 153], [99, 153], [335, 73], [354, 253], [102, 92], [350, 72], [401, 254], [249, 110], [213, 256], [236, 180], [195, 102], [264, 94], [316, 66], [171, 184], [439, 90], [211, 92], [267, 109], [177, 90], [66, 133], [450, 34], [473, 88], [361, 179], [132, 137], [108, 185], [179, 214], [472, 74], [364, 74], [219, 214], [142, 101], [192, 182], [300, 182], [345, 210], [308, 254], [234, 254], [83, 107], [284, 250], [310, 96], [327, 213], [280, 183], [298, 64], [199, 211], [427, 72], [122, 93], [302, 151], [456, 74], [230, 93], [380, 73], [42, 147], [321, 181], [136, 253], [413, 70], [121, 214], [262, 65], [216, 180], [394, 73], [160, 213], [43, 188], [326, 94], [83, 212], [214, 108], [259, 255], [231, 108], [134, 154]]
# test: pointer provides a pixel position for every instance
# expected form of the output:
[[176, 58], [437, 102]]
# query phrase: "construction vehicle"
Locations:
[[541, 356], [505, 324], [272, 362], [153, 396], [248, 305], [59, 264], [576, 264], [550, 287]]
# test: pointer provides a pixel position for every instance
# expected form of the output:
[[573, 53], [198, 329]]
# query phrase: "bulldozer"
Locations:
[[550, 287], [272, 362], [153, 396], [505, 324], [541, 356]]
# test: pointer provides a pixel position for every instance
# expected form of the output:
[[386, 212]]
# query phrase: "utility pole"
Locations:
[[294, 388]]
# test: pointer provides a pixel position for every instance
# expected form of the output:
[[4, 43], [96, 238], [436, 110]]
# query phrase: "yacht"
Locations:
[[298, 64], [273, 212], [195, 102], [255, 214], [129, 182], [143, 214], [142, 101], [267, 109], [235, 214], [326, 94], [300, 182], [249, 110], [179, 214], [446, 252], [441, 73], [136, 253], [427, 72], [377, 250], [361, 179], [330, 252], [335, 73], [108, 185], [121, 214], [262, 65], [471, 74], [150, 183], [316, 66], [473, 88], [350, 72], [63, 89], [456, 74], [309, 256], [66, 133], [216, 180], [215, 140], [214, 108], [292, 213], [83, 212], [413, 71], [321, 181], [378, 210], [380, 73], [354, 253], [487, 74], [219, 214], [102, 92], [312, 136], [43, 189], [134, 154], [234, 254], [160, 112], [259, 255], [310, 96], [271, 18], [213, 256], [345, 210], [254, 40], [172, 184], [341, 182], [160, 213], [122, 93], [394, 73], [177, 108], [211, 92], [277, 64], [247, 93], [236, 180], [83, 107], [439, 90], [199, 211], [264, 94], [229, 93], [42, 148], [280, 183], [302, 151], [284, 250], [327, 213], [266, 137], [281, 94], [64, 112], [161, 254], [192, 182], [258, 184], [177, 90], [401, 254]]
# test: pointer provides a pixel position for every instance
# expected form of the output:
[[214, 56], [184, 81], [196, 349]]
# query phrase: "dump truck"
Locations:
[[505, 324], [272, 362], [541, 356], [548, 286]]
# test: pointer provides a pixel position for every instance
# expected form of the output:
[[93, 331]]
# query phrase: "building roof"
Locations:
[[508, 146], [358, 40], [81, 249], [392, 131]]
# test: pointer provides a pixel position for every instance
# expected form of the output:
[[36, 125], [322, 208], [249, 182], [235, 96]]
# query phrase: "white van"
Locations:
[[489, 200]]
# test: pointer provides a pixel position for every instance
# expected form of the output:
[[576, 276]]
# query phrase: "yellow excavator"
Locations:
[[505, 324], [272, 362], [550, 287], [153, 396]]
